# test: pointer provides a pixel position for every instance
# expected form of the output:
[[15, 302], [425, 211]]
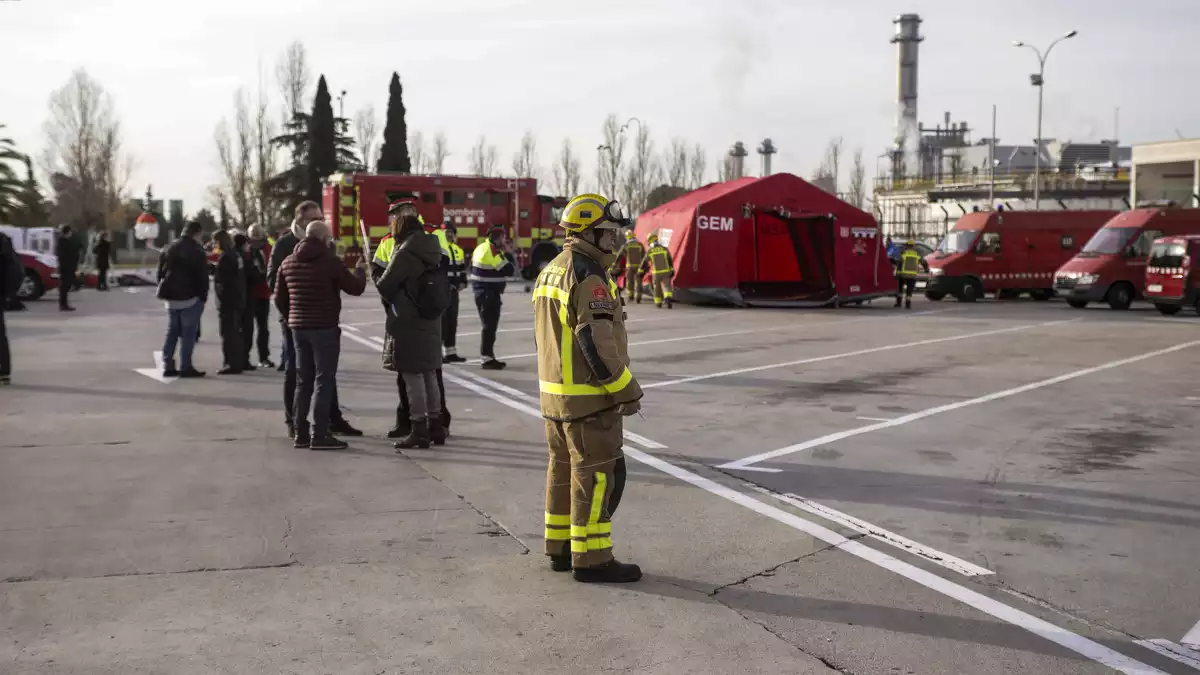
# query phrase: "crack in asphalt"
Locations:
[[287, 533], [27, 579], [770, 571]]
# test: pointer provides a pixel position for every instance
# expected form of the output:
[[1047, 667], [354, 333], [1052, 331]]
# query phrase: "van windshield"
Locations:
[[1108, 241], [1167, 255], [958, 241]]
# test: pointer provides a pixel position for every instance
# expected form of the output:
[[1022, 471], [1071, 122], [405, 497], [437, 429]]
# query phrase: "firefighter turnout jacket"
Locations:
[[910, 264], [579, 323], [658, 260], [630, 257]]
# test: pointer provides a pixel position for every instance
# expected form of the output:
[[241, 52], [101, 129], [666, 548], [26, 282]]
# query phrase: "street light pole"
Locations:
[[1038, 81]]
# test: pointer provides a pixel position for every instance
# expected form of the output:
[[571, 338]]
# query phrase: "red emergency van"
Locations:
[[1008, 252], [1173, 274], [1112, 265]]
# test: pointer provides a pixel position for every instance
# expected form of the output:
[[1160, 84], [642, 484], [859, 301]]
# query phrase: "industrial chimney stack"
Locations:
[[738, 153], [766, 149], [907, 40]]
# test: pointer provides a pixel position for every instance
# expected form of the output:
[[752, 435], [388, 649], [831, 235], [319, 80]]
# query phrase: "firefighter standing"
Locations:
[[397, 210], [586, 389], [906, 273], [490, 269], [457, 275], [658, 261], [630, 259]]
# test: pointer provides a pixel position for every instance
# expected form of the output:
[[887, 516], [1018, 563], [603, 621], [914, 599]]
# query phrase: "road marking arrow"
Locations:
[[156, 373], [1192, 639]]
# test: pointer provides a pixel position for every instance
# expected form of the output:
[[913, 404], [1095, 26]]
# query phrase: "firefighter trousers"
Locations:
[[581, 480], [633, 284], [662, 288]]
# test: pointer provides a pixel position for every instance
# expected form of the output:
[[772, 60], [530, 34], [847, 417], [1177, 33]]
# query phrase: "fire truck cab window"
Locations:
[[989, 244], [454, 197], [499, 199], [429, 197]]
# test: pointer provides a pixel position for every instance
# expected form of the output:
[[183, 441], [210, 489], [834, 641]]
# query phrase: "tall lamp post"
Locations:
[[1038, 79]]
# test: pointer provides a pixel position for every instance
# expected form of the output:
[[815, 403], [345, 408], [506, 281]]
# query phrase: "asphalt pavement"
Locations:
[[959, 488]]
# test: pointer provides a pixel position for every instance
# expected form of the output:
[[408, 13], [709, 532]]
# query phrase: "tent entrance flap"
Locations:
[[793, 259]]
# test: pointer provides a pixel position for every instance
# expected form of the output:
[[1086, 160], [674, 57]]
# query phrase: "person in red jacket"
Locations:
[[308, 292], [258, 309]]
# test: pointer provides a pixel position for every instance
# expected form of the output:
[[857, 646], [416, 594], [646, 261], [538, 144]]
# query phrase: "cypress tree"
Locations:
[[322, 142], [394, 154]]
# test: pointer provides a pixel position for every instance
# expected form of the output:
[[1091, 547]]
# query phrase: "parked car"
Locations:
[[41, 275]]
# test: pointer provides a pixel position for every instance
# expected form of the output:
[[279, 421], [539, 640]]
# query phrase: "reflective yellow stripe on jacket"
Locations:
[[910, 263], [660, 260], [568, 387]]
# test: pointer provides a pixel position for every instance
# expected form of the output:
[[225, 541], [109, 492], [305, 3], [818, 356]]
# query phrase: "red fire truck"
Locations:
[[471, 203]]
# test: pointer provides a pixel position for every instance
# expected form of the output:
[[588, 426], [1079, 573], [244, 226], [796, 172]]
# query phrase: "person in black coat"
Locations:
[[255, 274], [67, 251], [230, 281], [103, 252]]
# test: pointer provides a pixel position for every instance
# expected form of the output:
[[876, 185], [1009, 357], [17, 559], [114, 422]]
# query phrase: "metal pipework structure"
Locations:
[[766, 149], [907, 40]]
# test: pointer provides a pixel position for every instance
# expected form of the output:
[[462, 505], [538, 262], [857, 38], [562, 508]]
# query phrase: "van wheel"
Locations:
[[31, 286], [934, 295], [1077, 304], [971, 291], [1120, 296], [1041, 294], [1167, 310]]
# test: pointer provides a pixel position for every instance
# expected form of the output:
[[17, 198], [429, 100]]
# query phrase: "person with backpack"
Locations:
[[416, 289], [397, 211], [12, 273]]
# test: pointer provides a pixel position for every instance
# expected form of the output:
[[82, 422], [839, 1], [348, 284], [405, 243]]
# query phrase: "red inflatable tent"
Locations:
[[777, 240]]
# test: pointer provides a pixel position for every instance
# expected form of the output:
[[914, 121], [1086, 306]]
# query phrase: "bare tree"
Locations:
[[234, 155], [830, 169], [725, 168], [697, 167], [364, 133], [293, 76], [858, 181], [566, 171], [675, 163], [438, 153], [611, 155], [483, 158], [417, 153], [491, 161], [266, 161], [83, 145], [644, 172], [525, 161]]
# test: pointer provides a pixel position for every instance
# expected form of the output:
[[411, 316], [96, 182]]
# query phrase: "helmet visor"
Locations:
[[613, 218]]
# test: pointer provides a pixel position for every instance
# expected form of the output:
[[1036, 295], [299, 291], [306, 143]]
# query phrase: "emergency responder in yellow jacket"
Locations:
[[489, 272], [586, 389], [456, 274], [662, 268], [397, 210], [906, 273], [629, 263]]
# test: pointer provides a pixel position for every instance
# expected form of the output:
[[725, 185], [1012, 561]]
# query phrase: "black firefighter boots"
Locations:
[[561, 563], [612, 572]]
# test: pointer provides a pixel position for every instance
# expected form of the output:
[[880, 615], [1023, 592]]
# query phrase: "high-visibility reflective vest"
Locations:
[[910, 263], [457, 274], [583, 349], [660, 260], [490, 268]]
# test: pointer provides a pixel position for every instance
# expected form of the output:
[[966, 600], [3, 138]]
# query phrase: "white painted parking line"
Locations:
[[1180, 653], [874, 419], [1058, 635], [878, 533], [857, 352], [913, 417]]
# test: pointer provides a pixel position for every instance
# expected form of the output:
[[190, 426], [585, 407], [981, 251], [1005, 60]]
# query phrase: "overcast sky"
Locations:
[[710, 71]]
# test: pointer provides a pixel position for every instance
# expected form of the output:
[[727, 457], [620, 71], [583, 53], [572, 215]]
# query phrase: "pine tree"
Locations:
[[322, 142], [394, 154]]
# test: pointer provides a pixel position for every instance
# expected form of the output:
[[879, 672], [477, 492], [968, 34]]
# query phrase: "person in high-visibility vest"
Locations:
[[490, 269], [456, 274], [629, 263], [397, 210], [662, 268], [906, 273], [586, 391]]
